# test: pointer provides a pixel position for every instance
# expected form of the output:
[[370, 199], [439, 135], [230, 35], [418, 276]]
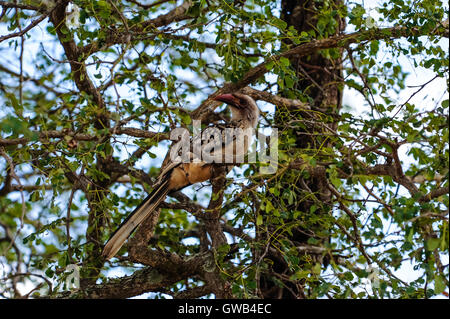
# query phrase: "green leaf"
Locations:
[[439, 284], [269, 65], [280, 24], [15, 104], [259, 220], [269, 207], [317, 268], [433, 243], [49, 272], [285, 61]]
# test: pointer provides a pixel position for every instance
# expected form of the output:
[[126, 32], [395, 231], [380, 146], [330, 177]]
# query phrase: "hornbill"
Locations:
[[177, 174]]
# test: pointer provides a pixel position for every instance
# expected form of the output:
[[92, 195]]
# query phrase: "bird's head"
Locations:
[[242, 106]]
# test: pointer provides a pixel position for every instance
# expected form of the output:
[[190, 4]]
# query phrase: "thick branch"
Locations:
[[80, 75], [46, 135], [141, 281], [275, 99], [309, 48], [434, 194]]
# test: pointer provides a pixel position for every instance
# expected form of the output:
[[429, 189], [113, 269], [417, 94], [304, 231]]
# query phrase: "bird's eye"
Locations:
[[244, 102]]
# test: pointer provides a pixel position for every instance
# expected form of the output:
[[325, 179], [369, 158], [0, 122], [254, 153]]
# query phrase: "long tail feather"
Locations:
[[135, 219]]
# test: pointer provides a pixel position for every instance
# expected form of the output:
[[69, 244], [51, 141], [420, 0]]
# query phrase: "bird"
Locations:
[[179, 174]]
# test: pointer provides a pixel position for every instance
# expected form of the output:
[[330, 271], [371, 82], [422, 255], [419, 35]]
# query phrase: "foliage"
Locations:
[[88, 104]]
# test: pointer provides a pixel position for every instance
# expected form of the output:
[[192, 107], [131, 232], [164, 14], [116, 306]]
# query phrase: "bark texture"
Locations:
[[318, 79]]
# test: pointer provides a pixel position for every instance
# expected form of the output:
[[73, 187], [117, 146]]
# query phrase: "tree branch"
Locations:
[[434, 193], [176, 14], [25, 30], [46, 135], [141, 281], [22, 6], [309, 48]]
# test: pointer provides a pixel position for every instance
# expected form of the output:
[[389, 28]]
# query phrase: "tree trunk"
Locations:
[[318, 79]]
